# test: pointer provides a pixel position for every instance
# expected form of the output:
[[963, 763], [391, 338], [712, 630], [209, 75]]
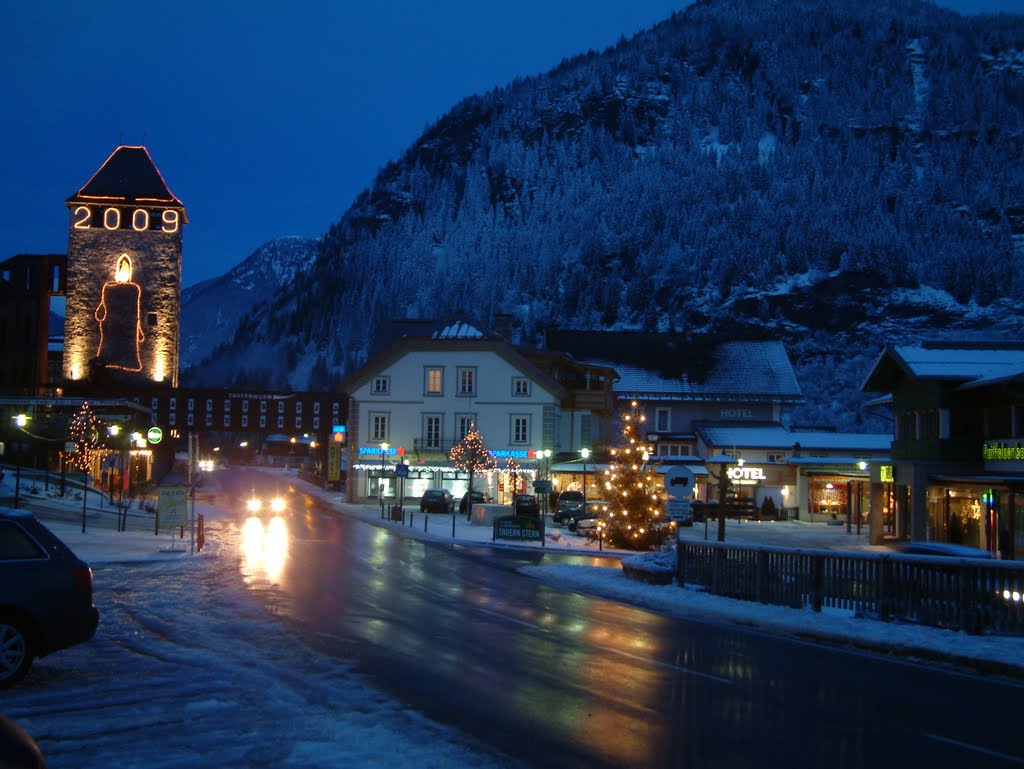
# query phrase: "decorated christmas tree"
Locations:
[[635, 519], [470, 454]]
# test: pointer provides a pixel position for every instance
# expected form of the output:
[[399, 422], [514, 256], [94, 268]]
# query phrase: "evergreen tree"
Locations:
[[635, 519]]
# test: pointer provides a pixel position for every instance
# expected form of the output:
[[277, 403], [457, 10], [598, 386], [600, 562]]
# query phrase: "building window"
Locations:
[[316, 423], [298, 407], [298, 423], [463, 424], [776, 457], [263, 421], [378, 427], [520, 429], [316, 407], [662, 420], [191, 404], [151, 318], [263, 407], [520, 386], [209, 404], [432, 432], [467, 381], [227, 405], [227, 420], [432, 380], [381, 385], [280, 423], [245, 407], [280, 407], [245, 421]]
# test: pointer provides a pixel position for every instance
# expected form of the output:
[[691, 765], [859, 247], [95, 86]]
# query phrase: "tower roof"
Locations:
[[128, 175]]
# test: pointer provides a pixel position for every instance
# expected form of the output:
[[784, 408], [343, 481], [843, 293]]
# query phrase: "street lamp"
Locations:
[[585, 453], [380, 481]]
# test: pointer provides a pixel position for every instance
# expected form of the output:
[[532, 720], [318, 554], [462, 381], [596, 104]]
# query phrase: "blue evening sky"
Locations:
[[266, 118]]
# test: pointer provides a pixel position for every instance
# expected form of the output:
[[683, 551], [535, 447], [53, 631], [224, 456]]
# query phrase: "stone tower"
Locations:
[[123, 301]]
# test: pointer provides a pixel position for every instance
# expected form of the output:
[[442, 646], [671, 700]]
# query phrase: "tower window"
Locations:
[[151, 319]]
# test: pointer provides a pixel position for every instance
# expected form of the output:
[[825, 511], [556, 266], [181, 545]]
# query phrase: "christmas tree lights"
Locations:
[[84, 430], [470, 454], [635, 519]]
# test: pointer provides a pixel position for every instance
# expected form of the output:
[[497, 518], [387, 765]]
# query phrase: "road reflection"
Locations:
[[264, 549]]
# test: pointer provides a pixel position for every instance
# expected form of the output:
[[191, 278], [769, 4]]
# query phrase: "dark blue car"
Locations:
[[45, 595]]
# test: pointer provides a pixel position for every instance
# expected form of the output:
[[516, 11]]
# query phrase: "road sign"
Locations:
[[155, 435], [679, 510], [172, 504], [542, 487], [679, 482], [401, 471]]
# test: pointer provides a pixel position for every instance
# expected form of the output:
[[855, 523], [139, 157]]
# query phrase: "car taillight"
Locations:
[[83, 578]]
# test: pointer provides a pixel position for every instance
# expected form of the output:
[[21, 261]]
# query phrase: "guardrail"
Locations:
[[972, 595]]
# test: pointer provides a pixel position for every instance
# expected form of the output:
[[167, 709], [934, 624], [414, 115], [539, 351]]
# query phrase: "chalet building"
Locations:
[[425, 390], [714, 399], [957, 470]]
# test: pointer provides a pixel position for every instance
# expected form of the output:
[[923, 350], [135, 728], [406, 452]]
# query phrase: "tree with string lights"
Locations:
[[84, 430], [470, 454], [636, 496]]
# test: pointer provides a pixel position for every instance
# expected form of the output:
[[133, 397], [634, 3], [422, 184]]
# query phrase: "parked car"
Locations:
[[437, 501], [525, 504], [945, 549], [570, 505], [587, 520], [45, 595], [469, 499]]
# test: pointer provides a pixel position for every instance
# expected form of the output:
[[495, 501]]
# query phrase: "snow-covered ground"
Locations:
[[189, 670]]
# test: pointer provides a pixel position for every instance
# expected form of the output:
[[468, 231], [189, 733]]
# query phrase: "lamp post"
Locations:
[[722, 461], [380, 481], [545, 457], [585, 453]]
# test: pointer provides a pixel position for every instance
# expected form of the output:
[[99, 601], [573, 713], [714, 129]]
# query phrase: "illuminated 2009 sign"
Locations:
[[140, 219]]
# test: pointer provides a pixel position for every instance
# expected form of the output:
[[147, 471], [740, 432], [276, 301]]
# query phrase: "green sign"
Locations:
[[522, 527], [155, 435]]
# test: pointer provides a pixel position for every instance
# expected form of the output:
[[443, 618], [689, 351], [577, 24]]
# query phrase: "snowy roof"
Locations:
[[458, 330], [769, 436], [975, 364], [748, 370]]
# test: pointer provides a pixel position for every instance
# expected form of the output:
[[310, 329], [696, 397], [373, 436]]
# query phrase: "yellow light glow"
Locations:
[[171, 220], [112, 218], [121, 291], [140, 219], [82, 216]]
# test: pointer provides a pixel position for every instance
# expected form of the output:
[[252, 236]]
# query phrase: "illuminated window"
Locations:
[[520, 429], [467, 381], [520, 386], [378, 427], [432, 380]]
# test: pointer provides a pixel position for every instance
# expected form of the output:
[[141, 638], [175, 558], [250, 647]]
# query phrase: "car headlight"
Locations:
[[253, 505], [277, 504]]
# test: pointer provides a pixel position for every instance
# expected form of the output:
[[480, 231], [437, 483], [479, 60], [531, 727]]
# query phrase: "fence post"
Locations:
[[885, 587], [817, 581], [681, 563], [762, 576], [967, 614]]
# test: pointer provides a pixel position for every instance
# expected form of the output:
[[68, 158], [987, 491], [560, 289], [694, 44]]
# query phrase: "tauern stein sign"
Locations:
[[520, 527]]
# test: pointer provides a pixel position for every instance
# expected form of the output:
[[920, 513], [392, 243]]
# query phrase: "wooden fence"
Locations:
[[973, 595]]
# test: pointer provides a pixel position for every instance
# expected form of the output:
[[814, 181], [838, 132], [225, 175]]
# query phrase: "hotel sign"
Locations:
[[746, 475]]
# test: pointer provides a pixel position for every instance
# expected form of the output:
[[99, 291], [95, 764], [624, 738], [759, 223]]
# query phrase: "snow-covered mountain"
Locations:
[[211, 311], [839, 175]]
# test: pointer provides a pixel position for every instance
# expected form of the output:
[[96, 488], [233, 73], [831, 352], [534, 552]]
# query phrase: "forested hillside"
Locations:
[[837, 174]]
